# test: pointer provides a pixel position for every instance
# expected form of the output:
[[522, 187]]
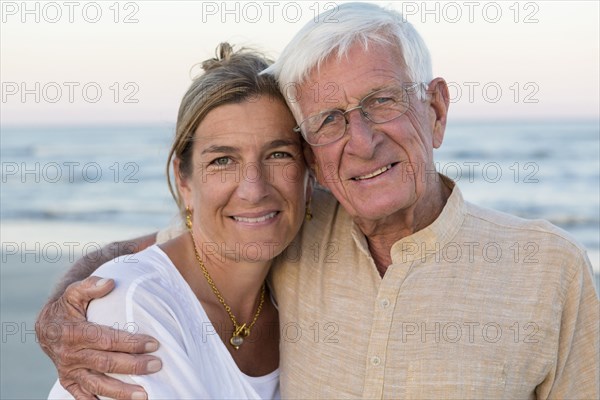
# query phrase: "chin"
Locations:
[[379, 211], [260, 251]]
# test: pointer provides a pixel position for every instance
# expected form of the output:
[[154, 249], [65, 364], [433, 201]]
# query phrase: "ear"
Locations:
[[439, 102], [311, 161], [183, 184]]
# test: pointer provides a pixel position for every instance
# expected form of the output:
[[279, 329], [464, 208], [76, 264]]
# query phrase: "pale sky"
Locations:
[[503, 60]]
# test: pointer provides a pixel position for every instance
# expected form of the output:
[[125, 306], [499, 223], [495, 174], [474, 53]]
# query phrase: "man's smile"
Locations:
[[375, 173]]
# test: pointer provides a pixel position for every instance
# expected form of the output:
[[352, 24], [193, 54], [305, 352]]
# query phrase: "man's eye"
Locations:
[[329, 118], [383, 101]]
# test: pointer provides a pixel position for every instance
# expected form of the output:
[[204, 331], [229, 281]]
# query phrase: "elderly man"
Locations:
[[402, 289]]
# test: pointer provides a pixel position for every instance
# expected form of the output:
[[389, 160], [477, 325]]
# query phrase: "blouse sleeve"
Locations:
[[142, 305]]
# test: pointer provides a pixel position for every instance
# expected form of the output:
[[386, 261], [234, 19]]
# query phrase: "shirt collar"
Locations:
[[428, 241]]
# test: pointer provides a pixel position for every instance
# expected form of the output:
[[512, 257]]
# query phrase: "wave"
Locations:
[[97, 215]]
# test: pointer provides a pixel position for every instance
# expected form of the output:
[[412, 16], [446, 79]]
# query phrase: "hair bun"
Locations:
[[223, 53]]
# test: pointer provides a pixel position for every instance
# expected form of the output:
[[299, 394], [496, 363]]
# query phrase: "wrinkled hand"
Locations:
[[83, 359]]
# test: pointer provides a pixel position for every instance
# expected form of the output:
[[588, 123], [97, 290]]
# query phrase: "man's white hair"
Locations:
[[336, 31]]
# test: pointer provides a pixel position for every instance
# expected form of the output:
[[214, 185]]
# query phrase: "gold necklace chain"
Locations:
[[239, 331]]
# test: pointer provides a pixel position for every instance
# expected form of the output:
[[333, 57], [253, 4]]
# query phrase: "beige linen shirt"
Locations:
[[479, 305]]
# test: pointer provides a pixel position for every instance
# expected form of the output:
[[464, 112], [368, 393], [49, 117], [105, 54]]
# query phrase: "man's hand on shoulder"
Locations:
[[82, 360]]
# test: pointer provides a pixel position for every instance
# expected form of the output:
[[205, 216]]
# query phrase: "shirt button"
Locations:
[[384, 303], [375, 360]]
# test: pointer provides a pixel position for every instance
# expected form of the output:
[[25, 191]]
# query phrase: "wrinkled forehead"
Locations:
[[342, 80]]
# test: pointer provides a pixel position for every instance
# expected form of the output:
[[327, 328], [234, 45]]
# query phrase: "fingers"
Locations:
[[89, 335], [77, 392], [103, 385], [119, 363], [84, 383], [98, 347], [77, 346], [63, 324], [79, 294]]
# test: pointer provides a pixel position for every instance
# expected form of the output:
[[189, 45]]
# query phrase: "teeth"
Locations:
[[256, 220], [375, 173]]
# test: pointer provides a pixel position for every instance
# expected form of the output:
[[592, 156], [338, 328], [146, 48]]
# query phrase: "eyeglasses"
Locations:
[[378, 107]]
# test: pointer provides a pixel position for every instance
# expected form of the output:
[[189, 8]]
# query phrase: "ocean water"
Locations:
[[66, 191], [117, 174], [89, 174]]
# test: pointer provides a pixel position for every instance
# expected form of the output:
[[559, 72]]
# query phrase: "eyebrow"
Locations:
[[220, 149], [230, 149], [281, 143], [373, 90]]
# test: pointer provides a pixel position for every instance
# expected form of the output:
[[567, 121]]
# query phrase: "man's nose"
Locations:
[[361, 138]]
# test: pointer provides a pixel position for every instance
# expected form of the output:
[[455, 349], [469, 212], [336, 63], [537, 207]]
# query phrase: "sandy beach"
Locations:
[[28, 274], [26, 371]]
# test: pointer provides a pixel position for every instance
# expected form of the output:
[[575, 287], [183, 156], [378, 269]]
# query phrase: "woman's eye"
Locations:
[[221, 161], [281, 154]]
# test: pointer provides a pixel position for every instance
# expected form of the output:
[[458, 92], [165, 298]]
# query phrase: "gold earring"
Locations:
[[188, 218], [307, 212], [316, 171]]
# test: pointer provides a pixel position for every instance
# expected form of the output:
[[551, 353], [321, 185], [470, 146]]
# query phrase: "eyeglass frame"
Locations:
[[360, 106]]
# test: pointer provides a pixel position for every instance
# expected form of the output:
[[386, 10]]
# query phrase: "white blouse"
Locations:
[[151, 297]]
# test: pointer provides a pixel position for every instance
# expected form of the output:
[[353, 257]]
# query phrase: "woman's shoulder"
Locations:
[[147, 264], [147, 277]]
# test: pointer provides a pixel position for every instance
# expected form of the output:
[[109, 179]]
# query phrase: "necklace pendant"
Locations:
[[236, 341], [238, 335], [245, 331], [241, 330]]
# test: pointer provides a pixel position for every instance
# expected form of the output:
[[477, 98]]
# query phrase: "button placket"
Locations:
[[384, 303]]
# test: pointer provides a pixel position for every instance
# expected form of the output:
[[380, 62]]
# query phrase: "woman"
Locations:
[[242, 188]]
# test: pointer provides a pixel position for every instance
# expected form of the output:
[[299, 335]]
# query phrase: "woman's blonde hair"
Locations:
[[230, 77]]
